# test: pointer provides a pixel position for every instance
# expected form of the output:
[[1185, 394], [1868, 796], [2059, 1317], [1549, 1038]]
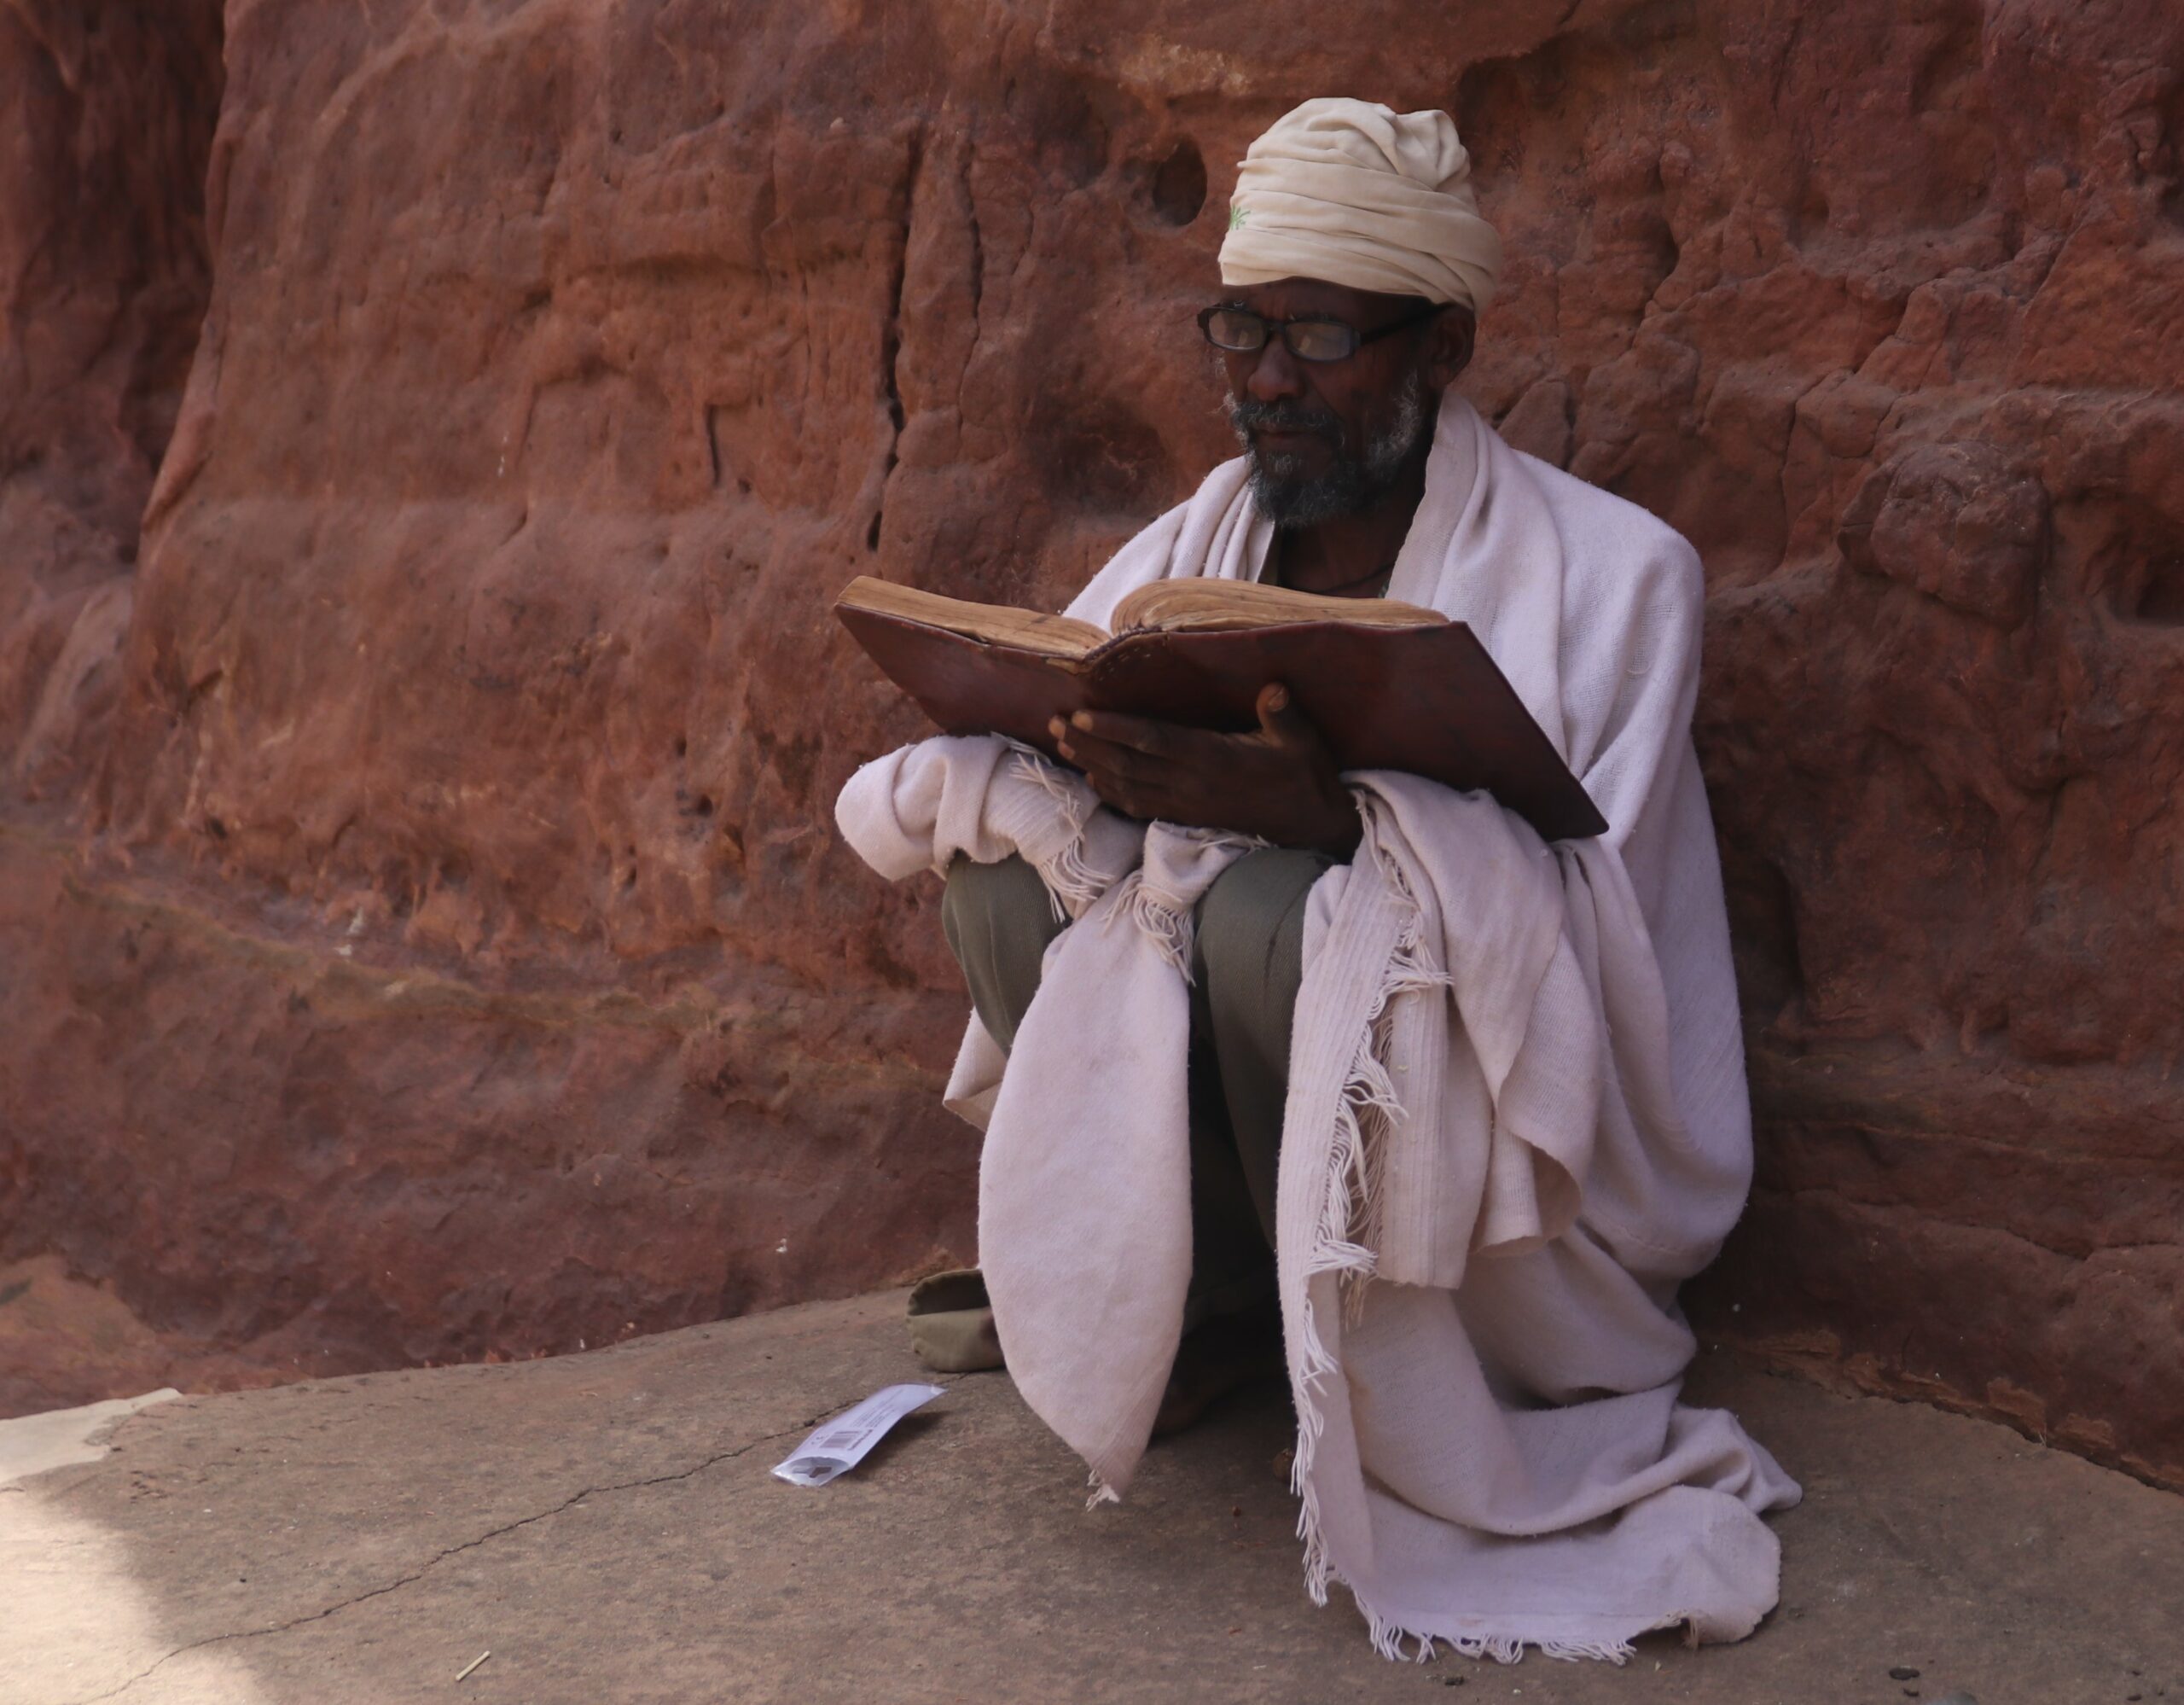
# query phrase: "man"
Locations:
[[1484, 1097]]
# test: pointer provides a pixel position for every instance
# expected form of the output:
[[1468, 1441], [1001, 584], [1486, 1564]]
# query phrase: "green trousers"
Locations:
[[1247, 960]]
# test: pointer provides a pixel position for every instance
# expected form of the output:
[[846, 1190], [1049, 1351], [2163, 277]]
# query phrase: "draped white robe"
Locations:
[[1516, 1114]]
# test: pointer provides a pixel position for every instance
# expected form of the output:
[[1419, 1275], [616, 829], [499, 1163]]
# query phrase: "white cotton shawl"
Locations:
[[1517, 1115]]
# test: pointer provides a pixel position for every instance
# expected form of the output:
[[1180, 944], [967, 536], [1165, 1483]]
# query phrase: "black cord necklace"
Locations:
[[1386, 571]]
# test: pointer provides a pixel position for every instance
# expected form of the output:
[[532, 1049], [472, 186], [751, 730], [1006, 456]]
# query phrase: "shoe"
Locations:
[[952, 1323]]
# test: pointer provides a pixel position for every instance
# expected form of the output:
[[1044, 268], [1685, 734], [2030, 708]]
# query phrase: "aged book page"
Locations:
[[1225, 606], [1052, 636], [1163, 607]]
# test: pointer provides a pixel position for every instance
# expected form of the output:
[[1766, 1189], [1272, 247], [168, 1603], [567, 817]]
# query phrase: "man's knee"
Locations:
[[1251, 927], [989, 909], [998, 919]]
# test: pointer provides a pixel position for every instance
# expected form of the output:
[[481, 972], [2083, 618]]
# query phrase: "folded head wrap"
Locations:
[[1357, 194]]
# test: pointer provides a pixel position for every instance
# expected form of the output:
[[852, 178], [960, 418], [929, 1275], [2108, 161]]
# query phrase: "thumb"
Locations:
[[1279, 720]]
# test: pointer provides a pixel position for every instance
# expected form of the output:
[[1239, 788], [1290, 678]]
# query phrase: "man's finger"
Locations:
[[1112, 786], [1131, 781], [1131, 795], [1279, 720], [1089, 752], [1140, 733]]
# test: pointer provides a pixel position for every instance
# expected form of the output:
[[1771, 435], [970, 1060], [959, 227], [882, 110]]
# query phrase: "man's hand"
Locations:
[[1279, 783]]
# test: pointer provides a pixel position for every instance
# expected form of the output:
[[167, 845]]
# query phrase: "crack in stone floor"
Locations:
[[506, 1528]]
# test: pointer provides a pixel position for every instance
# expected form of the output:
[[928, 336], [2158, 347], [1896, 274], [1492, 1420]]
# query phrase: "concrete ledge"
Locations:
[[605, 1526]]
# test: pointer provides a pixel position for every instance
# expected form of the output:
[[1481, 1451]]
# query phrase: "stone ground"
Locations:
[[605, 1525]]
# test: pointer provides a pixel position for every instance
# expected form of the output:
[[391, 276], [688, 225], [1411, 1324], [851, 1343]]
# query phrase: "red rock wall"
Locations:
[[435, 943], [106, 114]]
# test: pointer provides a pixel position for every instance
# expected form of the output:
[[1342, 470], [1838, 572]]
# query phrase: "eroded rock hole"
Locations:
[[2160, 593], [1177, 187]]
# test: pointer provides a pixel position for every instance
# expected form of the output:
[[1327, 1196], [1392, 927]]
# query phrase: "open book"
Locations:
[[1391, 686]]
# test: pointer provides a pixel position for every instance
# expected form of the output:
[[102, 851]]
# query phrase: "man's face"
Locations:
[[1326, 437]]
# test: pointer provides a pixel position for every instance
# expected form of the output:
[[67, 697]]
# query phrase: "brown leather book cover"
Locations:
[[1428, 701]]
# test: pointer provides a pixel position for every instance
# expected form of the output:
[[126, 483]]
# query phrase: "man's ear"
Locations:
[[1449, 345]]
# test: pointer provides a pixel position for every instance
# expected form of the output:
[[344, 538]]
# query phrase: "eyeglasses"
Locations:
[[1311, 337]]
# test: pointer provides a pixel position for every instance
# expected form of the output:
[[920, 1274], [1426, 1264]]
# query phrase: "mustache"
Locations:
[[1249, 417]]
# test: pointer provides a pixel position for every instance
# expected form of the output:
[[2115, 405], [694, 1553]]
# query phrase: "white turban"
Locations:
[[1357, 194]]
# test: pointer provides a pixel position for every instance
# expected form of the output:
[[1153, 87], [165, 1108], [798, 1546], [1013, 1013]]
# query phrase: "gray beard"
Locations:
[[1351, 481]]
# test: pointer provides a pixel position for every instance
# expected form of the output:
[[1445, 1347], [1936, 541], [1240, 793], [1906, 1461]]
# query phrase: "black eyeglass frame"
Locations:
[[1358, 340]]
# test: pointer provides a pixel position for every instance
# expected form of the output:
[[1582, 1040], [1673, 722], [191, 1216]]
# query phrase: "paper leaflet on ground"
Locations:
[[838, 1446]]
